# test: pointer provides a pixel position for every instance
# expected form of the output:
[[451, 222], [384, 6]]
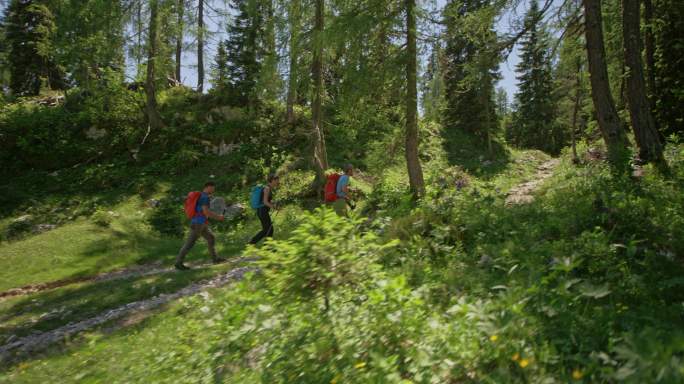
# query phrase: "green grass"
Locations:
[[22, 315], [82, 248], [583, 281], [147, 351]]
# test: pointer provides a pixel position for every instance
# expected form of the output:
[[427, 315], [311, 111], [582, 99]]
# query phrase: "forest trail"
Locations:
[[524, 193], [124, 273], [37, 342]]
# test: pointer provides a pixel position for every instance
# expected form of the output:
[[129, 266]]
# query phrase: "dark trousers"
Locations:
[[197, 231], [266, 225]]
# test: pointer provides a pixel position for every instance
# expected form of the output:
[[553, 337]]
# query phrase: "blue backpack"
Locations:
[[256, 199]]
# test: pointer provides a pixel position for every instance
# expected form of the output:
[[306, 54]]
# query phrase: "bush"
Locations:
[[18, 227], [167, 218], [102, 218]]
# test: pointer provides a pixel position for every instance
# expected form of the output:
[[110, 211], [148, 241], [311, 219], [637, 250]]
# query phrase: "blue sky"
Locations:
[[216, 25]]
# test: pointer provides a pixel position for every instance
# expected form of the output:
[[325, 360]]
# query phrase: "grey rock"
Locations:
[[40, 228], [25, 219], [153, 203]]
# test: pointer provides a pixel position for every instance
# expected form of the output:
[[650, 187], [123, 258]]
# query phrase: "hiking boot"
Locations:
[[218, 260], [181, 267]]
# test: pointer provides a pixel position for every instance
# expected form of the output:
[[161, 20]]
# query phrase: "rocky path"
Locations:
[[125, 273], [37, 342], [523, 193]]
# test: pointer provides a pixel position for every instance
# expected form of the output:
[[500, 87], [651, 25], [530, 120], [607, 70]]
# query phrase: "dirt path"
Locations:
[[136, 271], [523, 193], [37, 342]]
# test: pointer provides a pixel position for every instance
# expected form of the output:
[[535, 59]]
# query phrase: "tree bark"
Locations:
[[294, 16], [179, 39], [415, 171], [320, 155], [643, 124], [649, 43], [200, 47], [575, 111], [153, 117], [608, 120], [139, 53]]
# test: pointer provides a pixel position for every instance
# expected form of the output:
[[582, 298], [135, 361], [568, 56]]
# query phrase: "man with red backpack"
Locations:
[[197, 210], [337, 190]]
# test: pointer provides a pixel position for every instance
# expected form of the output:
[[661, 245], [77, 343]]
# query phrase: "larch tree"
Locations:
[[180, 25], [606, 114], [415, 172], [200, 46], [294, 17], [29, 32], [320, 156], [643, 124], [532, 124], [153, 117]]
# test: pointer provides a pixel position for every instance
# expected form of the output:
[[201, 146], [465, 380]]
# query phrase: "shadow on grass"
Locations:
[[474, 155]]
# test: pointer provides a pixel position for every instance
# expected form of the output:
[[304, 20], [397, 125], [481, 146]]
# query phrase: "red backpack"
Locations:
[[191, 204], [331, 187]]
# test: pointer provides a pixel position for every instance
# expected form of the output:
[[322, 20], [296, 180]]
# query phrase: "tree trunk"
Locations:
[[575, 111], [650, 147], [294, 16], [412, 160], [649, 43], [140, 33], [200, 47], [153, 117], [320, 155], [608, 120], [179, 39]]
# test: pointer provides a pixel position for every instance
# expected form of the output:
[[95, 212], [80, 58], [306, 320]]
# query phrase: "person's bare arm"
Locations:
[[208, 213], [267, 195]]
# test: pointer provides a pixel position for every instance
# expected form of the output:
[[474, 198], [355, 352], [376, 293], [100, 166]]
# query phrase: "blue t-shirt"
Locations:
[[201, 202], [341, 183]]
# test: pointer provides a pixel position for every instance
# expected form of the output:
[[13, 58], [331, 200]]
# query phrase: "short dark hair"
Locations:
[[348, 167], [272, 176], [209, 184]]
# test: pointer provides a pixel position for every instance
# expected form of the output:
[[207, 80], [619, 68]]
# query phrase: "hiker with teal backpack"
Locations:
[[197, 210], [261, 200]]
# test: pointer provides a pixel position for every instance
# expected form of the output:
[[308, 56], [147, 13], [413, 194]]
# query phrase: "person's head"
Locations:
[[273, 180], [209, 187], [349, 169]]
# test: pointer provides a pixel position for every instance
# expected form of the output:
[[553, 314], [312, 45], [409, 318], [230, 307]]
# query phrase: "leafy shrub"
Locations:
[[18, 227], [102, 218], [167, 217]]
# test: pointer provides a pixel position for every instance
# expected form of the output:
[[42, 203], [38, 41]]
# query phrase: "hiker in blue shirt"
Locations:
[[342, 191], [264, 207], [199, 226]]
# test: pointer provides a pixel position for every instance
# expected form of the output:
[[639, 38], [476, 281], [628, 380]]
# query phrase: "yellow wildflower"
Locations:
[[494, 338], [515, 357], [360, 365], [577, 374], [524, 363]]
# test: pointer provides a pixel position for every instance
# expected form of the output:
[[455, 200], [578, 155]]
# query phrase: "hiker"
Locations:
[[342, 191], [262, 202], [199, 215]]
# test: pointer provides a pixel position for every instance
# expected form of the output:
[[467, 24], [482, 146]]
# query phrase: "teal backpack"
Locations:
[[256, 199]]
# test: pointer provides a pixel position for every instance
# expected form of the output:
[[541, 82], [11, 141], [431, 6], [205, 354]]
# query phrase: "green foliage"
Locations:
[[471, 68], [323, 254], [30, 26], [668, 29], [102, 218], [533, 122], [168, 218]]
